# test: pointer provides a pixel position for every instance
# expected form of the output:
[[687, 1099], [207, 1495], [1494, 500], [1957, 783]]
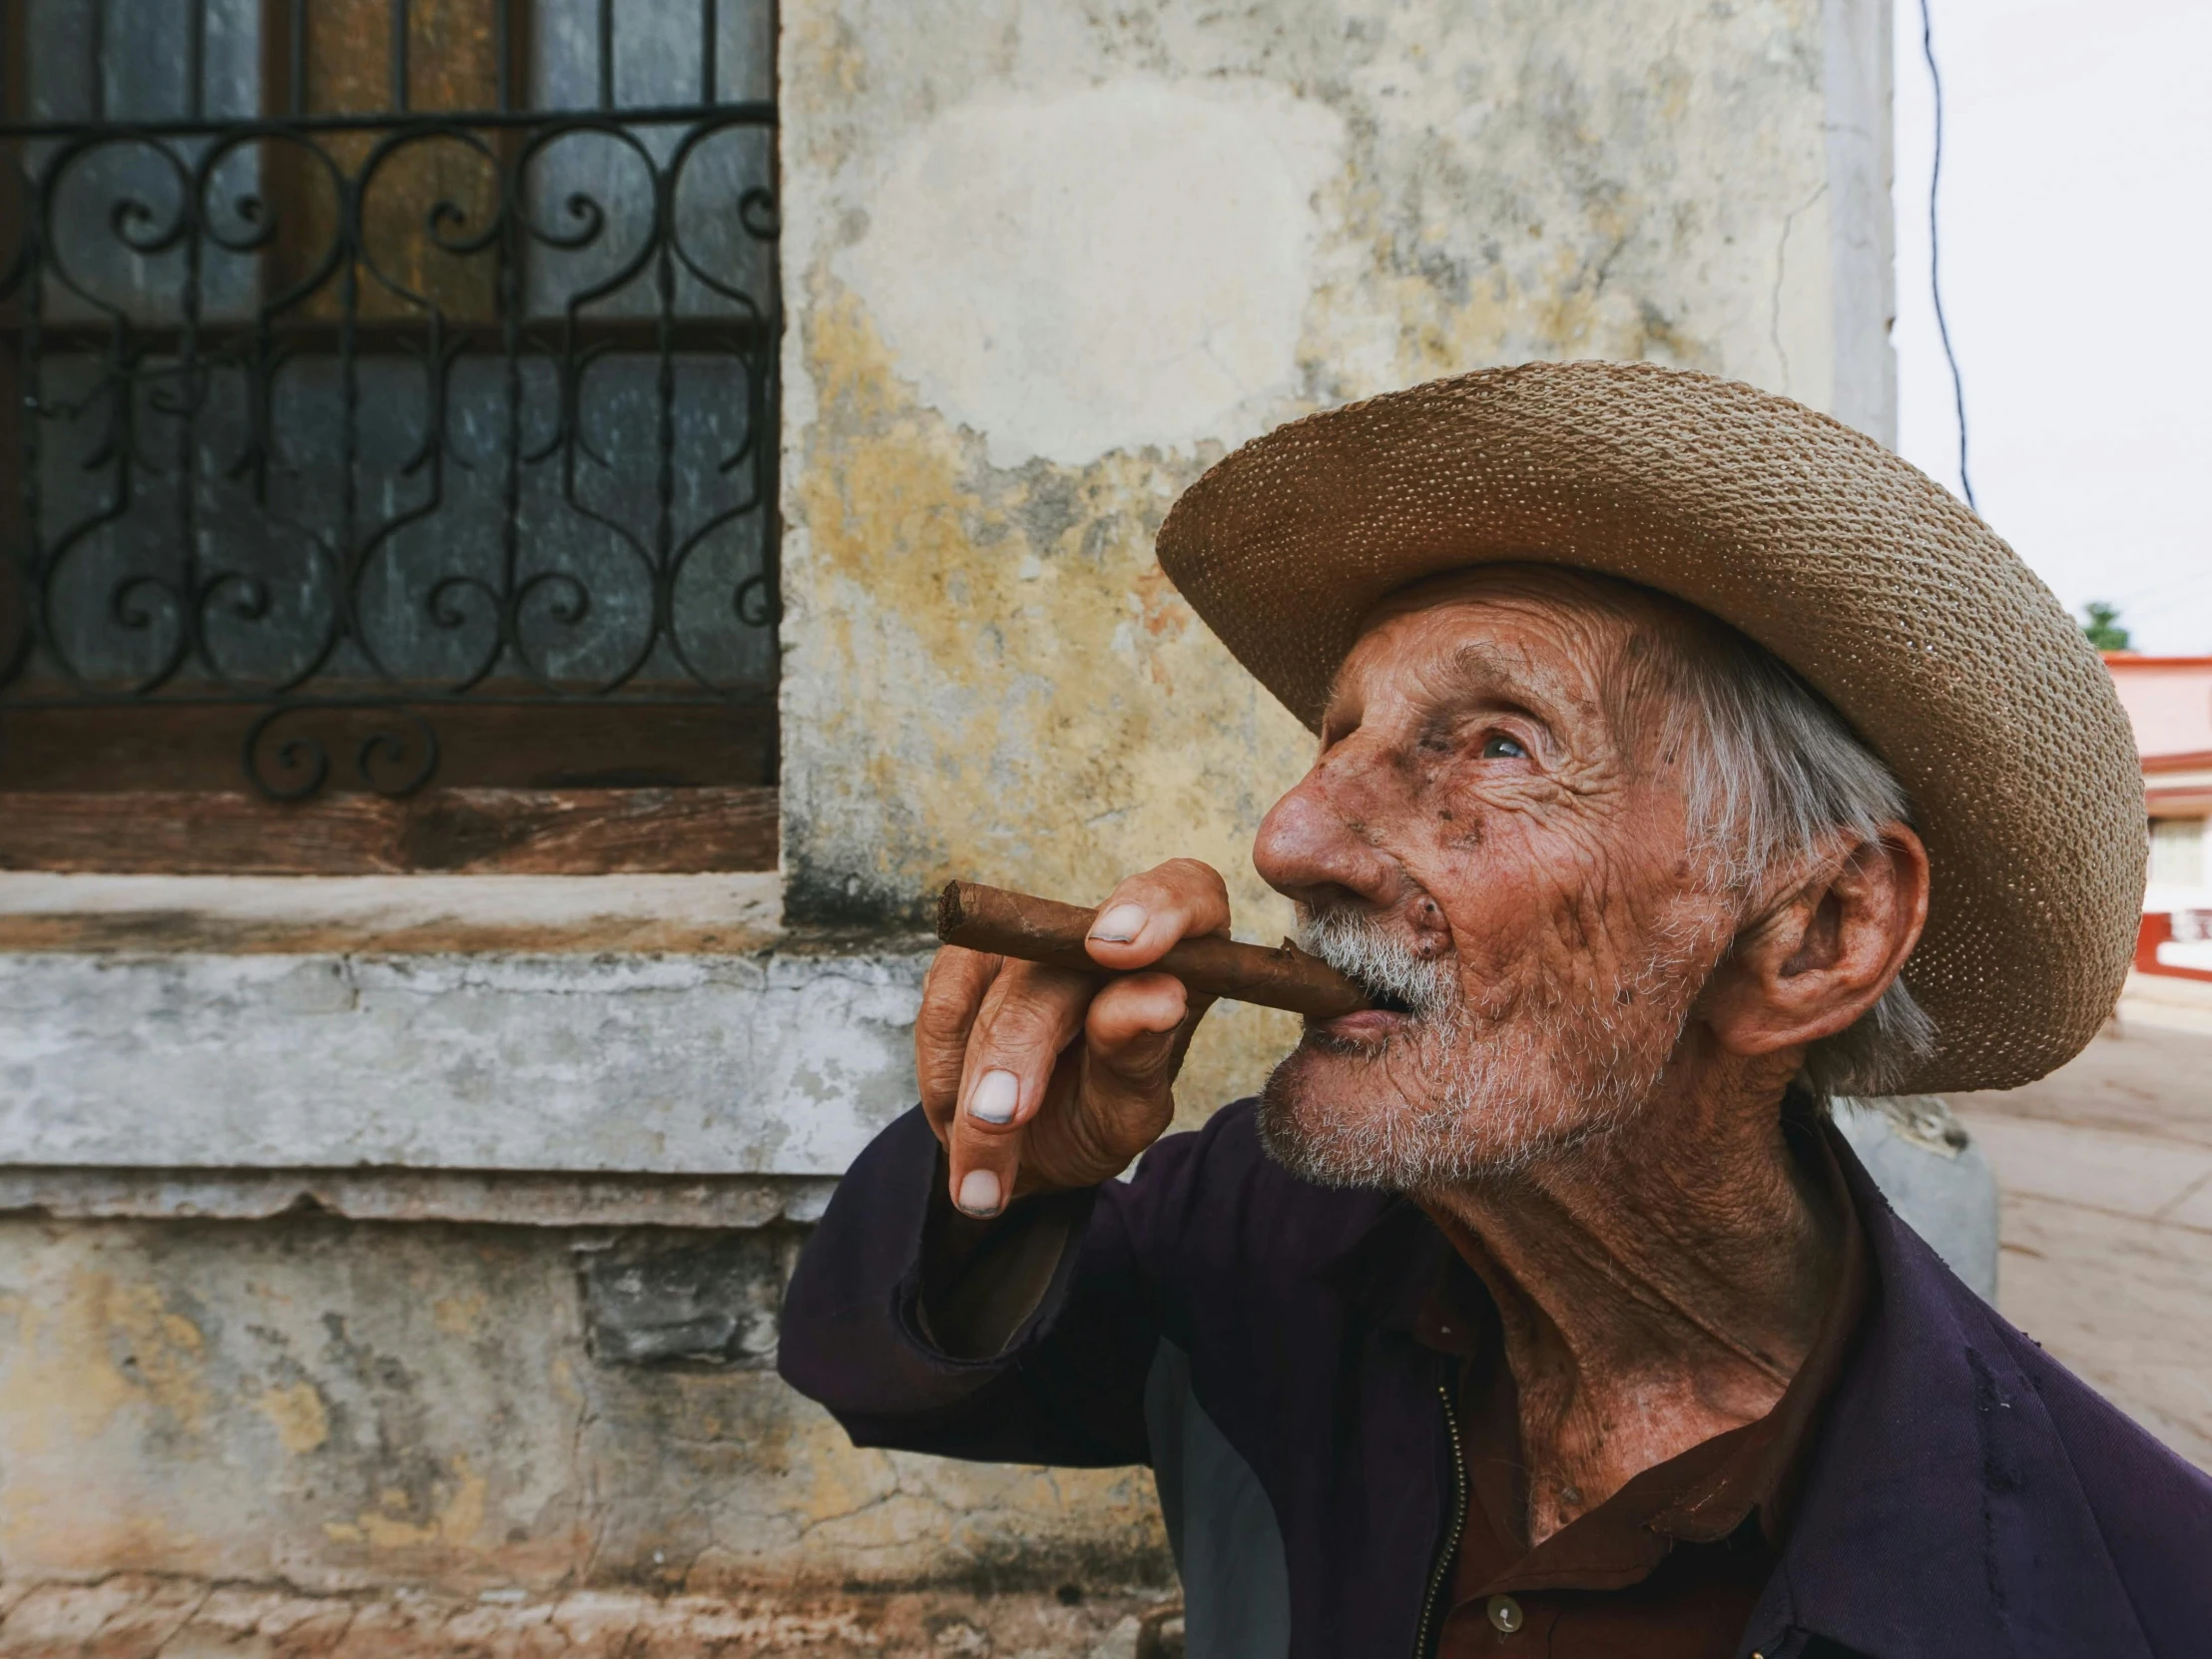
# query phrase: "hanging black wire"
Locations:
[[1934, 255]]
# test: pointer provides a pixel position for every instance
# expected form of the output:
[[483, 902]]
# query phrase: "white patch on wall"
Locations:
[[1119, 266]]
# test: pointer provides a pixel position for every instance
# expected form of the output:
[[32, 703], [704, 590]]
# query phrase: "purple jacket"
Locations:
[[1249, 1335]]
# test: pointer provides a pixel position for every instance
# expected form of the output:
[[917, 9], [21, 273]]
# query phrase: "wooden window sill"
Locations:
[[389, 915], [476, 832]]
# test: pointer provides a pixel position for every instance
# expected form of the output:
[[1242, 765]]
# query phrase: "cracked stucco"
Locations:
[[183, 1618]]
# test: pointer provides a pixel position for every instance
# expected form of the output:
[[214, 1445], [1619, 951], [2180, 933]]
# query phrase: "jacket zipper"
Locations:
[[1451, 1551]]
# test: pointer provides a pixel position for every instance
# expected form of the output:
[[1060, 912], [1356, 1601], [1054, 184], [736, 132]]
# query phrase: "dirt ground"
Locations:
[[2106, 1172]]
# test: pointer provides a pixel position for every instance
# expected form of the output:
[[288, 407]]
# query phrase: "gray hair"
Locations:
[[1773, 774]]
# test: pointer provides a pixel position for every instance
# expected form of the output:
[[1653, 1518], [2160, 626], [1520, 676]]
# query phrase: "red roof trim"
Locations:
[[2134, 659], [2178, 762]]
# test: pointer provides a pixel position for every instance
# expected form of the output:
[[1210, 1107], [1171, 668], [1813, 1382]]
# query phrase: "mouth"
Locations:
[[1387, 1015], [1401, 978], [1384, 1001]]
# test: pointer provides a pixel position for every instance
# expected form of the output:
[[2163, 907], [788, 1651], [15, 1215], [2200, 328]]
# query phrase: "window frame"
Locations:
[[499, 774]]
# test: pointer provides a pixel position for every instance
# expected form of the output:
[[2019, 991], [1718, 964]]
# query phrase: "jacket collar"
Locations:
[[1942, 1516]]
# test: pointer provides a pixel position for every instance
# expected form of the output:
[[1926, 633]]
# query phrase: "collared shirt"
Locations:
[[1672, 1564]]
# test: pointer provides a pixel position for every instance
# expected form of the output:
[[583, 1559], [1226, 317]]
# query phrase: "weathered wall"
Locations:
[[334, 1404], [1046, 265], [639, 1025]]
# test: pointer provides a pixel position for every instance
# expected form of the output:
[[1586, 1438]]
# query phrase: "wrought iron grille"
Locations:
[[369, 360]]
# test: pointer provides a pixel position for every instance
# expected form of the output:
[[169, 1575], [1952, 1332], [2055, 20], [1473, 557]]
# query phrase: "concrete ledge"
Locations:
[[773, 1063], [387, 914], [521, 1026]]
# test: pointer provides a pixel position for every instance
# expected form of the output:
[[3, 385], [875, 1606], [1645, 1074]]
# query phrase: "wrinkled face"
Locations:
[[1494, 839]]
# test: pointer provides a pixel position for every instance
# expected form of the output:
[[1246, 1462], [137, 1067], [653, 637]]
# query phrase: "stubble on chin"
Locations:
[[1452, 1101], [1393, 1116], [1292, 1129], [1463, 1093]]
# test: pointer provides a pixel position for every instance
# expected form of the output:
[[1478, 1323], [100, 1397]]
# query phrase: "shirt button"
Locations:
[[1506, 1615]]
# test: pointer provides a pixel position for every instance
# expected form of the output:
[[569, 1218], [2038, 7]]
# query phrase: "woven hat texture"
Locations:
[[1870, 580]]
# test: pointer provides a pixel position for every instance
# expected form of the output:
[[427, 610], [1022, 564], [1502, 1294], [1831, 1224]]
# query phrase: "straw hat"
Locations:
[[1889, 597]]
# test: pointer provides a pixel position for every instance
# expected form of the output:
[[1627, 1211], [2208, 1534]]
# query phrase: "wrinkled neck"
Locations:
[[1687, 1255]]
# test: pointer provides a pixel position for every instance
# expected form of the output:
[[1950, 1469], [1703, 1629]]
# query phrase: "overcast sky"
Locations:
[[2077, 261]]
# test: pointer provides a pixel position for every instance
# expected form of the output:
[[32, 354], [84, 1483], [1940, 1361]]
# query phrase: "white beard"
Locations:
[[1478, 1093]]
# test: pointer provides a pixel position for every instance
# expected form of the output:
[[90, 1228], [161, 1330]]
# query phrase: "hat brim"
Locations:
[[1886, 593]]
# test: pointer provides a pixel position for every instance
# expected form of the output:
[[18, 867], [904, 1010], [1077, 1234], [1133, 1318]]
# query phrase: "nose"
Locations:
[[1317, 845]]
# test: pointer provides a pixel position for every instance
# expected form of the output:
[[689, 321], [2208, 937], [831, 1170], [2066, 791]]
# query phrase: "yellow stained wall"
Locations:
[[342, 1406], [1045, 264]]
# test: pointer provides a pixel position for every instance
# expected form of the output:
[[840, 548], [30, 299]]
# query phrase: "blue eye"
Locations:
[[1499, 746]]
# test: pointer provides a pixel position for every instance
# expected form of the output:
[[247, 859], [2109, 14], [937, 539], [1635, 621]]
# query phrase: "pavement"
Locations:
[[2105, 1172]]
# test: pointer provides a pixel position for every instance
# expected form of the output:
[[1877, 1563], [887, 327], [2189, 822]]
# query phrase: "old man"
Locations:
[[1685, 761]]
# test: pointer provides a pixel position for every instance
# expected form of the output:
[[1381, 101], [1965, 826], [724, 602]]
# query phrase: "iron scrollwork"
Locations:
[[289, 761], [373, 415]]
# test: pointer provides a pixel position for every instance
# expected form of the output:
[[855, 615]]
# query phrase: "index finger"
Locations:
[[952, 992], [1145, 914]]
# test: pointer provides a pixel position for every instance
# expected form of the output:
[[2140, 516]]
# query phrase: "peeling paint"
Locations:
[[129, 1351], [1012, 259], [456, 1519], [462, 1314]]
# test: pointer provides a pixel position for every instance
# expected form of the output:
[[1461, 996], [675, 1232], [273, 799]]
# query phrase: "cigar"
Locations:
[[1045, 930]]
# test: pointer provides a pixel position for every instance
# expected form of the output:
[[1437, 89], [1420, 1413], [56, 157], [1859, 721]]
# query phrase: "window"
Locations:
[[2177, 852], [387, 433]]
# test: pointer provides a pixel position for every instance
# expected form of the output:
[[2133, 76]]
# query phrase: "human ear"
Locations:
[[1823, 957]]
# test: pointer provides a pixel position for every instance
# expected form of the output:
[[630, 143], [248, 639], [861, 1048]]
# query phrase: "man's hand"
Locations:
[[1037, 1079]]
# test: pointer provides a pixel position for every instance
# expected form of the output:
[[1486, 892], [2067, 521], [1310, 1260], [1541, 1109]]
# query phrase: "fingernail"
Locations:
[[997, 1096], [1120, 924], [979, 1193]]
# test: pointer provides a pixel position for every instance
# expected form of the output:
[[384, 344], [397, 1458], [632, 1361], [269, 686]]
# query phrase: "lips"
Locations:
[[1381, 997], [1390, 1013]]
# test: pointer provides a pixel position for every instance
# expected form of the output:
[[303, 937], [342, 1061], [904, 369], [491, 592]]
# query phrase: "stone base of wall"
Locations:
[[366, 1407], [142, 1617]]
